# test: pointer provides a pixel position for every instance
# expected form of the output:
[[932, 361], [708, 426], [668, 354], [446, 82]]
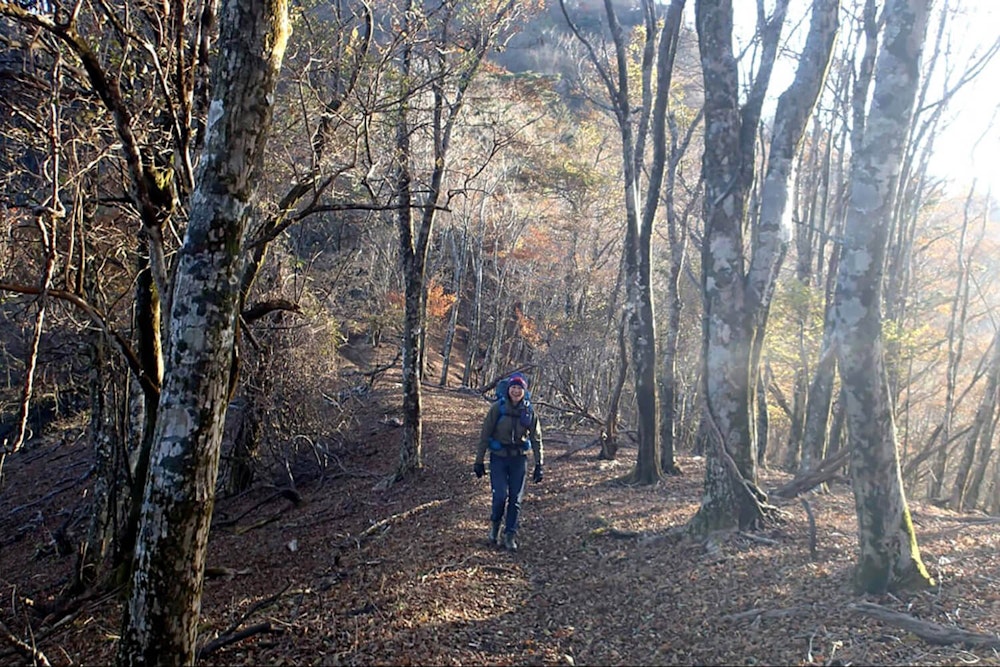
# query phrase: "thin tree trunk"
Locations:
[[460, 257], [957, 318], [609, 439], [980, 438]]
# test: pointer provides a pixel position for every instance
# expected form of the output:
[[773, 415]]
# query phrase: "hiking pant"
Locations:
[[507, 482]]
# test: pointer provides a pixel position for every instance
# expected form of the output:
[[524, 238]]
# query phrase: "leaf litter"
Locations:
[[604, 576]]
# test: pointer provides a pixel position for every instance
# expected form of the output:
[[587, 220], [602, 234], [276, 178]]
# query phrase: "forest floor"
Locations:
[[404, 576]]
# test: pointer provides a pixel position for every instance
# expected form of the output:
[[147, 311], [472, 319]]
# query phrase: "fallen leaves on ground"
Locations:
[[604, 575]]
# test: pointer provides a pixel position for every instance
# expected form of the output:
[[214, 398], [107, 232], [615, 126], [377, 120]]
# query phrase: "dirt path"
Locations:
[[404, 576]]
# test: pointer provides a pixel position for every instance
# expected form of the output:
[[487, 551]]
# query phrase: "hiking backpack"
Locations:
[[527, 411]]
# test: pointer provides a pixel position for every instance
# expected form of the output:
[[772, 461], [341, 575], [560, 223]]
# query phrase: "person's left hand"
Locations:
[[479, 469], [537, 477]]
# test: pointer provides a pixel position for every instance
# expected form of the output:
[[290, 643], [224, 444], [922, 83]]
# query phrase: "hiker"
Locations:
[[510, 429]]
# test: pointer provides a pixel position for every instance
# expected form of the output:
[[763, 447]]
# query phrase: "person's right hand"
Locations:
[[479, 469]]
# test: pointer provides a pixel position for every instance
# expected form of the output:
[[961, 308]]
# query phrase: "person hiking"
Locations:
[[509, 430]]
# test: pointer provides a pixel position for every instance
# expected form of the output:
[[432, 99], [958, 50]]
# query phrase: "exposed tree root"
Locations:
[[935, 633]]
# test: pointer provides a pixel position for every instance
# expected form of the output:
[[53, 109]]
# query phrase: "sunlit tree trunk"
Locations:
[[161, 618], [889, 558], [979, 441], [817, 432], [450, 78], [737, 299]]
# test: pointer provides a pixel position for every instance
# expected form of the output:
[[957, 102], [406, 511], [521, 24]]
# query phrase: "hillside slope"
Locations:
[[404, 576]]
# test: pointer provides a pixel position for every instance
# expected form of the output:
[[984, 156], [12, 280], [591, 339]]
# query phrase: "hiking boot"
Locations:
[[494, 532], [509, 541]]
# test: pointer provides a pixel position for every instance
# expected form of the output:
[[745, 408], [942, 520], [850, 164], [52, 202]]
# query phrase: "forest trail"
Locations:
[[405, 576]]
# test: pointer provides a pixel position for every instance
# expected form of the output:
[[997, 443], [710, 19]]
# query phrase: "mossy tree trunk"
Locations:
[[160, 624], [889, 558]]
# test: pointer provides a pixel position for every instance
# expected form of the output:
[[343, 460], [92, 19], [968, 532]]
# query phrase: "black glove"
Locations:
[[537, 477], [479, 469]]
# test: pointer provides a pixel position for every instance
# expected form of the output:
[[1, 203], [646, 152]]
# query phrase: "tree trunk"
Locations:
[[815, 431], [609, 439], [737, 300], [980, 438], [460, 258], [473, 358], [160, 624], [413, 257], [103, 499], [889, 557]]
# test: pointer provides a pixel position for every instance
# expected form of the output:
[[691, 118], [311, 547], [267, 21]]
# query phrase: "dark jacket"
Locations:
[[507, 430]]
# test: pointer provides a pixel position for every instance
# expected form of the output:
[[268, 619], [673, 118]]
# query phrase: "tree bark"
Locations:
[[737, 300], [160, 624], [889, 558]]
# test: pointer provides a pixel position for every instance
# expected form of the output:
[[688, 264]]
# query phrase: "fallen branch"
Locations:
[[759, 538], [969, 520], [935, 633], [241, 530], [607, 531], [754, 614], [230, 634], [379, 525], [579, 448], [827, 470], [288, 494], [226, 640], [24, 648]]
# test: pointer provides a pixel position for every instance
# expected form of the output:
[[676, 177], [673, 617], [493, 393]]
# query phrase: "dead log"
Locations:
[[934, 633]]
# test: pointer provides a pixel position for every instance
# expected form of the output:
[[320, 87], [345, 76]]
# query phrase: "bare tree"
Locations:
[[637, 125], [737, 299], [436, 70], [889, 558], [161, 621]]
